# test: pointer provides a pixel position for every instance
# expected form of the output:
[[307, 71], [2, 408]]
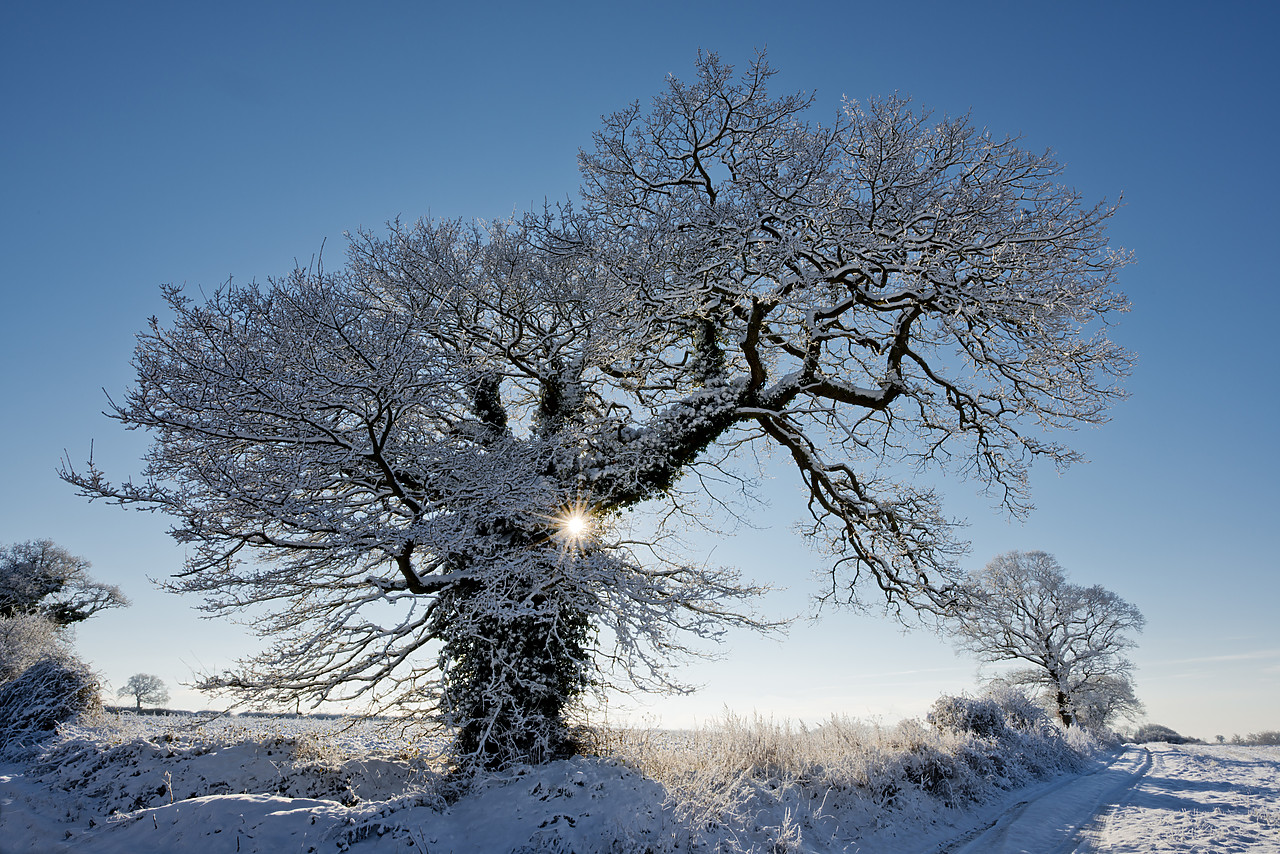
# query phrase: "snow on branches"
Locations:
[[883, 288], [1021, 608], [383, 456]]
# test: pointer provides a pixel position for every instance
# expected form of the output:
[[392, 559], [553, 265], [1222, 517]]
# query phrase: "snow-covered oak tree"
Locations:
[[1021, 608], [1107, 699], [405, 449], [416, 463]]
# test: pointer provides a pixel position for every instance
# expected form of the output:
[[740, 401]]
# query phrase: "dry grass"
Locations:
[[774, 783]]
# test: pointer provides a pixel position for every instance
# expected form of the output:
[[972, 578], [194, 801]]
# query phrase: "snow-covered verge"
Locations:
[[140, 784], [847, 785], [156, 784]]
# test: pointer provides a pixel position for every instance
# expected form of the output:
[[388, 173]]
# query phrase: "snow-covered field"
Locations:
[[161, 784], [1220, 798]]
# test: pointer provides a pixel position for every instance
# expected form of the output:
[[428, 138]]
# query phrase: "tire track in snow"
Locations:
[[1056, 815], [1087, 837]]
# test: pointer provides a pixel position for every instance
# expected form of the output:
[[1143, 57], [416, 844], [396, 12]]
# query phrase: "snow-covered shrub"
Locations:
[[26, 639], [933, 764], [1158, 732], [742, 777], [981, 716], [1021, 712], [46, 694]]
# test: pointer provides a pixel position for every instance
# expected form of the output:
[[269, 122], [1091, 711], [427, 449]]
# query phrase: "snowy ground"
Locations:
[[1150, 798], [1217, 798], [284, 787]]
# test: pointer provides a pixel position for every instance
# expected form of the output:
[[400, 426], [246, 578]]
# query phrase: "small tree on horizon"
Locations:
[[145, 688], [1020, 607], [419, 464]]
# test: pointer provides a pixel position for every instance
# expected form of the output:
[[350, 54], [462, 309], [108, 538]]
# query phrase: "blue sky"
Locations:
[[151, 143]]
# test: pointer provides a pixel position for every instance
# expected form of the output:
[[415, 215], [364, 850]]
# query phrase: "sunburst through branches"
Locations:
[[574, 525]]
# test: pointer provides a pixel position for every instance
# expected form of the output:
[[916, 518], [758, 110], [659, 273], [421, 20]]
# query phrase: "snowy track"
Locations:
[[1155, 798], [1051, 817]]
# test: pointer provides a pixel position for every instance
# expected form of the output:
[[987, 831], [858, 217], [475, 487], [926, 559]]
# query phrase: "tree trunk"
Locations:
[[508, 677], [1064, 709]]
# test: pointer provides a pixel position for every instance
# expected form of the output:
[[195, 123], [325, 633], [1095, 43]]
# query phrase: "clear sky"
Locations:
[[149, 143]]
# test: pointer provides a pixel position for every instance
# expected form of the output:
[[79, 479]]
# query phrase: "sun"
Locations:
[[574, 524]]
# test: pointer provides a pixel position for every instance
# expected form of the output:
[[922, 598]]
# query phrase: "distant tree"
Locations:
[[420, 460], [145, 688], [40, 577], [1020, 607]]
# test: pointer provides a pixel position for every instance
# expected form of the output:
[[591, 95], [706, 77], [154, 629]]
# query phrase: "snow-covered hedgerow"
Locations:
[[49, 692], [26, 639], [1158, 732], [771, 785], [978, 715], [123, 783]]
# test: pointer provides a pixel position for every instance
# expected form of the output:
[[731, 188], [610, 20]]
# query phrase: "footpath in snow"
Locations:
[[1050, 818], [1154, 799]]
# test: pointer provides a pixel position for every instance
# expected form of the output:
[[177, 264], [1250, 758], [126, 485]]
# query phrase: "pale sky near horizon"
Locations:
[[147, 143]]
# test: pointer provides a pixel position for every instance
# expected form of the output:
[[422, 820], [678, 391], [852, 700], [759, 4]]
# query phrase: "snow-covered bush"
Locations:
[[46, 694], [26, 639], [1021, 712], [124, 762], [981, 716]]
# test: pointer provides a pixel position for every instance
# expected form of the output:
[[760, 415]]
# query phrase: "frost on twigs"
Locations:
[[29, 638], [379, 458]]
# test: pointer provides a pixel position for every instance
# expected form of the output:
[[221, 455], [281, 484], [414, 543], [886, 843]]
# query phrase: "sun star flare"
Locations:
[[574, 524]]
